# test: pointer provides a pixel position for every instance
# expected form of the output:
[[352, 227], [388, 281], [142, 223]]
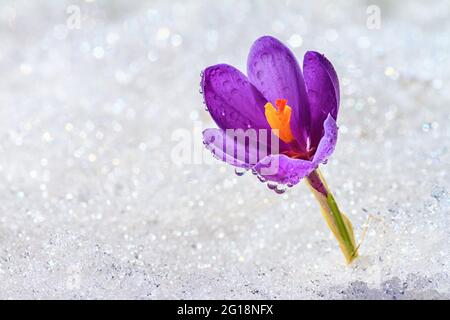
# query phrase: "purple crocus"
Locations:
[[299, 112], [305, 114]]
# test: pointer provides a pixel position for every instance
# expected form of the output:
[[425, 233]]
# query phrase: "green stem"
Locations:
[[338, 223]]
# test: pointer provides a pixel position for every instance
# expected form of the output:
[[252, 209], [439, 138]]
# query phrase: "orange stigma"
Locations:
[[279, 119]]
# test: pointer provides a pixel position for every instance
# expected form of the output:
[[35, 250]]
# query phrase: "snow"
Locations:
[[94, 205]]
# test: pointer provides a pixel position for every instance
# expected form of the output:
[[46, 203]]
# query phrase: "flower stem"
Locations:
[[338, 223]]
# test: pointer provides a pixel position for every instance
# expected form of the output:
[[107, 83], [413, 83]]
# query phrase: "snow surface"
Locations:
[[93, 205]]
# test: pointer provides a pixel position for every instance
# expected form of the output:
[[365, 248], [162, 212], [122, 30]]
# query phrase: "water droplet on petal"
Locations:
[[239, 171], [259, 74], [265, 57], [280, 189], [261, 178], [226, 84], [272, 185]]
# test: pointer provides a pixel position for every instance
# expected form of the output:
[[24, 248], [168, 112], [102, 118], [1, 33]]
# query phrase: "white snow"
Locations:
[[92, 205]]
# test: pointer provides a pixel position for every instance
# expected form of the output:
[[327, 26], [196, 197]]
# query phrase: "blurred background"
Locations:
[[92, 204]]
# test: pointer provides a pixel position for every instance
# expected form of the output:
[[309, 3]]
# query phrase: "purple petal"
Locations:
[[323, 91], [282, 169], [273, 69], [328, 142], [239, 148], [234, 103]]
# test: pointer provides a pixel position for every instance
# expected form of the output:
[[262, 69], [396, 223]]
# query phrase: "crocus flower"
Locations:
[[299, 112]]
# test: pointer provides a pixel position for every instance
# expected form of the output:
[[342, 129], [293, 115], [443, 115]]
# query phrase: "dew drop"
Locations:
[[280, 189], [226, 84], [272, 185], [259, 74], [265, 57], [239, 171]]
